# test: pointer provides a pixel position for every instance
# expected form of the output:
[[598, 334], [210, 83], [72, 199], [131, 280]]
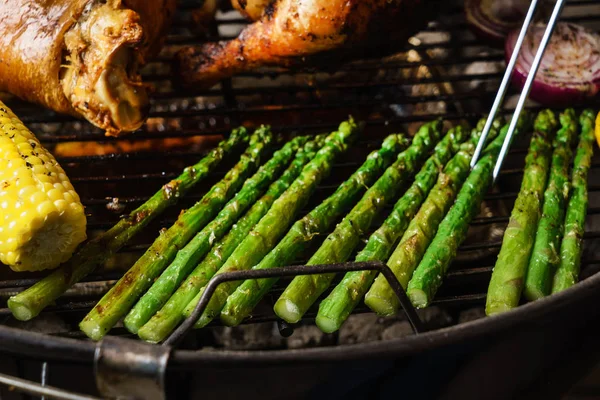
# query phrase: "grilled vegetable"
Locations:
[[304, 290], [42, 220], [188, 257], [494, 20], [453, 229], [545, 254], [125, 292], [241, 303], [570, 68], [273, 225], [407, 255], [508, 276], [32, 301], [163, 322], [336, 308], [567, 273]]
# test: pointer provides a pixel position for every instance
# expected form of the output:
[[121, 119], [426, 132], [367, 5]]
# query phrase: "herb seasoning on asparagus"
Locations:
[[453, 229], [421, 230], [241, 303], [509, 272], [120, 297], [273, 225], [171, 314], [545, 254], [336, 308], [188, 257], [567, 273], [29, 303], [304, 290]]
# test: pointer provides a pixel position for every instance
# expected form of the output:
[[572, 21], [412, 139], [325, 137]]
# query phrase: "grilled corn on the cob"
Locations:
[[41, 218]]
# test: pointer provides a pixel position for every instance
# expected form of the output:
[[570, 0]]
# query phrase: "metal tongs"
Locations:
[[506, 79]]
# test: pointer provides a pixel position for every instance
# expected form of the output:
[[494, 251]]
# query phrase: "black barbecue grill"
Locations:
[[537, 351]]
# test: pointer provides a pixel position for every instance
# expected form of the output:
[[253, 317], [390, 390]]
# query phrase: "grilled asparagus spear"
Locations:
[[508, 276], [165, 320], [304, 290], [241, 303], [336, 308], [188, 257], [405, 258], [120, 297], [567, 273], [453, 228], [545, 254], [273, 225], [31, 302]]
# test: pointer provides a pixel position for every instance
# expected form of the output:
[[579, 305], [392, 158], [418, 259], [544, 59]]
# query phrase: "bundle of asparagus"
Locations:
[[125, 292], [452, 230], [530, 250], [268, 231], [241, 303], [165, 320], [424, 225], [336, 308]]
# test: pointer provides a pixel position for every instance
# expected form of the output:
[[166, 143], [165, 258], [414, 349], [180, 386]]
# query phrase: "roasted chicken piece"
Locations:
[[294, 31], [82, 57]]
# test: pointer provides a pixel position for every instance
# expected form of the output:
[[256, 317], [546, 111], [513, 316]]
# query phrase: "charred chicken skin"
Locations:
[[294, 31], [81, 57]]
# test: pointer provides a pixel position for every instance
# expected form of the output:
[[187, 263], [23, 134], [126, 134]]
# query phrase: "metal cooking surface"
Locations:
[[444, 72]]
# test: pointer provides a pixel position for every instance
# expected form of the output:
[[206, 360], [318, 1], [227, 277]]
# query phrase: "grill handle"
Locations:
[[291, 271]]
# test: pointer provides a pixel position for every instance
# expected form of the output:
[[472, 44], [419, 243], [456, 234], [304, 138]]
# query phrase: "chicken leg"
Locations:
[[290, 31]]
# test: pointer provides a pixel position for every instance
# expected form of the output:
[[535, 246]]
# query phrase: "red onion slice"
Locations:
[[494, 19], [570, 69]]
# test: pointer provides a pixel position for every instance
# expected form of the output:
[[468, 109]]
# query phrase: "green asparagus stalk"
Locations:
[[29, 303], [545, 254], [273, 225], [340, 303], [188, 257], [452, 231], [125, 292], [304, 290], [421, 229], [318, 221], [171, 314], [508, 276], [567, 273]]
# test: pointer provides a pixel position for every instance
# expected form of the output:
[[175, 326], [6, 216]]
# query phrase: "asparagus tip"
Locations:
[[327, 324], [131, 325], [149, 335], [19, 310], [287, 310], [418, 298], [497, 308], [381, 305], [533, 293], [230, 319], [92, 329]]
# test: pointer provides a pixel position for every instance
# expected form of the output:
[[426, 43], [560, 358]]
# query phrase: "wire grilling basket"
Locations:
[[443, 71]]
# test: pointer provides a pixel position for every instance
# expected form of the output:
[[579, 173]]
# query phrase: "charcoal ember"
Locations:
[[471, 314], [248, 337], [435, 317], [397, 330], [309, 336], [360, 328]]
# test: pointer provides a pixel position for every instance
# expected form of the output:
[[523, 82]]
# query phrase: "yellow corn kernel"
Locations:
[[41, 218]]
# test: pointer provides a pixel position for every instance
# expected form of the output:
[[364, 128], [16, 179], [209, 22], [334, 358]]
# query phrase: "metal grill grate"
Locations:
[[444, 71]]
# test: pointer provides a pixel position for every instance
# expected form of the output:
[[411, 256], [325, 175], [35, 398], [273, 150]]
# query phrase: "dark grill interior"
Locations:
[[444, 71]]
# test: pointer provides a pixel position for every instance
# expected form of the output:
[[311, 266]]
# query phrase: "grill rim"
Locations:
[[39, 346]]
